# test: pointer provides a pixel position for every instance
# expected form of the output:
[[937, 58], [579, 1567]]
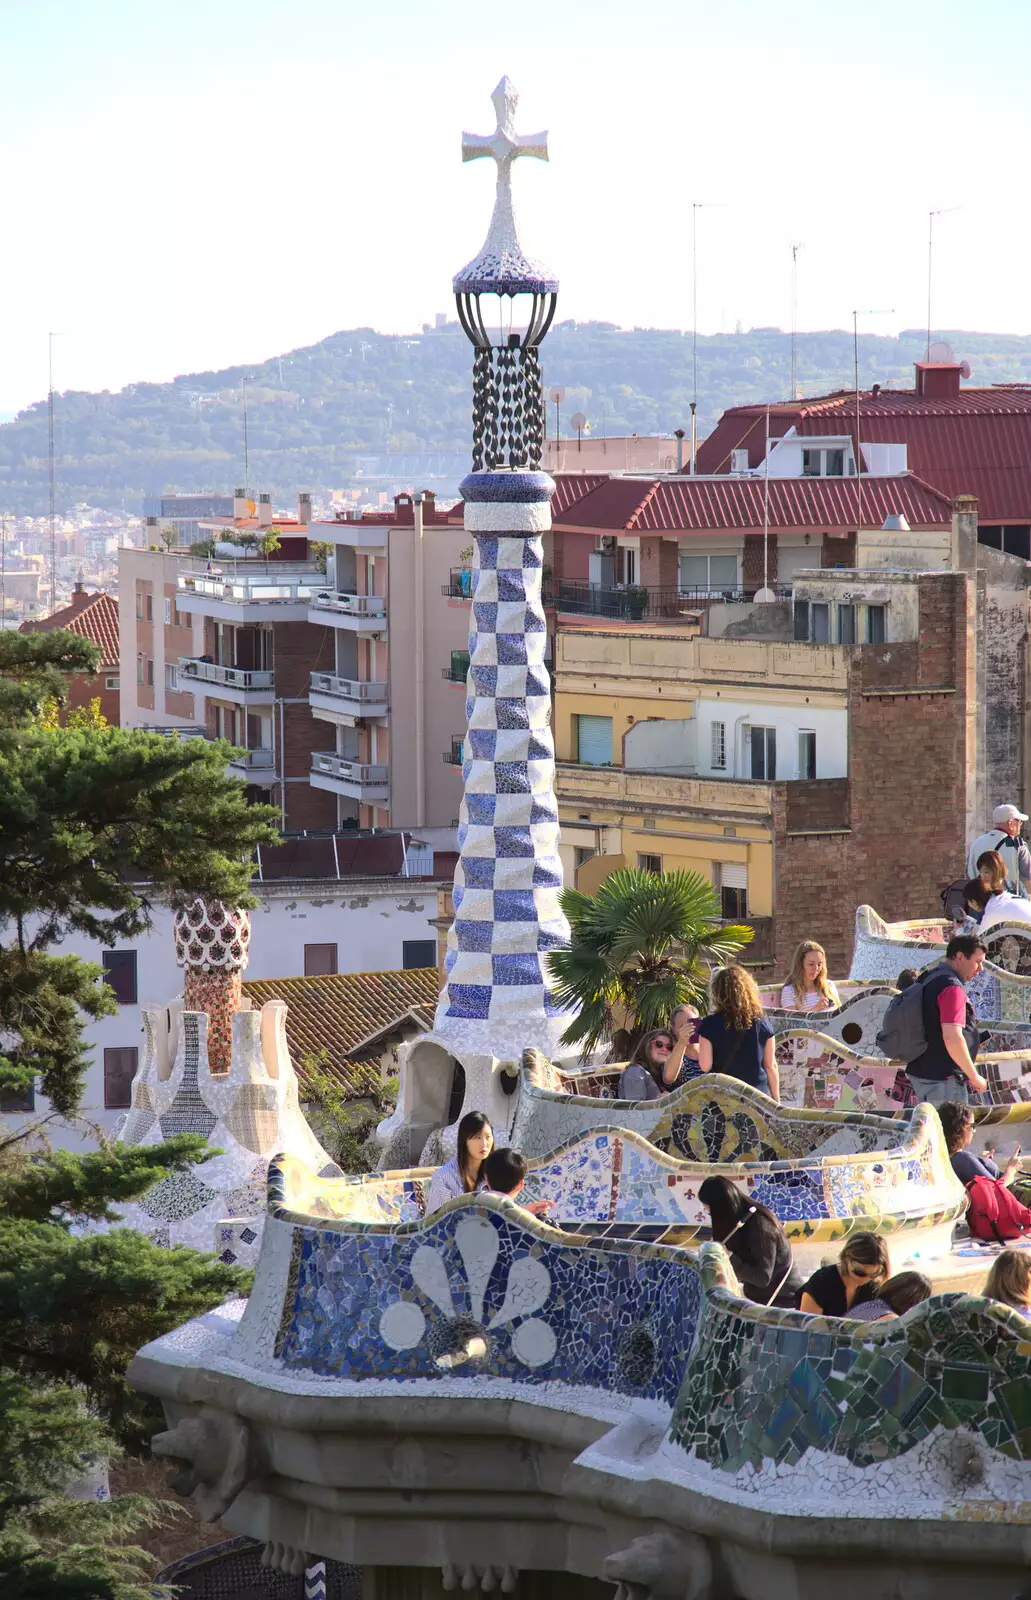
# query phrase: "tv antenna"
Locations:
[[942, 211], [859, 453], [795, 248], [579, 422], [556, 396]]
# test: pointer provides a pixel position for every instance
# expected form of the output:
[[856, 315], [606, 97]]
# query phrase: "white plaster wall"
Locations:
[[829, 724], [368, 921]]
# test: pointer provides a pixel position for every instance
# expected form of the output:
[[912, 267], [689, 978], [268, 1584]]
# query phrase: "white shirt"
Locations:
[[809, 1001], [446, 1183], [1005, 907]]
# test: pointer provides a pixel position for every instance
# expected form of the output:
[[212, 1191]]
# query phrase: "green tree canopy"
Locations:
[[640, 947]]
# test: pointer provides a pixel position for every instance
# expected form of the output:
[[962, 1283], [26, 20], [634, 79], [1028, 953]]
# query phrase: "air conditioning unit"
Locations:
[[607, 544], [739, 461]]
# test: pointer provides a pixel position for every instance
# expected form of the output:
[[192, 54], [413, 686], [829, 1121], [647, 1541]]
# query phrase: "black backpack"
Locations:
[[953, 900], [902, 1036]]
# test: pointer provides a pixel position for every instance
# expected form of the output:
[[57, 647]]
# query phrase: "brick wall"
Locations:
[[299, 649], [817, 803], [907, 790], [838, 552], [660, 563], [81, 690], [752, 563]]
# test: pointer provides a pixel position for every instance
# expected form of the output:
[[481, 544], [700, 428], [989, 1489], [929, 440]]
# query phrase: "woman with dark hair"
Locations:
[[755, 1241], [855, 1277], [461, 1175], [894, 1298]]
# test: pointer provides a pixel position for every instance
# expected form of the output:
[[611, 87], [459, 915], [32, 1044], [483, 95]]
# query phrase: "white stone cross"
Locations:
[[504, 144]]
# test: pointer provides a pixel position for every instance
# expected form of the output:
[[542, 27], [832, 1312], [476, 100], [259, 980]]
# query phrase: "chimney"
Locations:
[[264, 510], [938, 380], [404, 511], [304, 508], [429, 504], [240, 498], [964, 533], [678, 434]]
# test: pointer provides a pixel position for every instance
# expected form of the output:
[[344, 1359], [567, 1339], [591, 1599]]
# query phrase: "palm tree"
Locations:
[[643, 945]]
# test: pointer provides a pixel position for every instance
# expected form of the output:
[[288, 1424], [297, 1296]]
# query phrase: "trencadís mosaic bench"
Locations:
[[927, 1414], [1002, 993]]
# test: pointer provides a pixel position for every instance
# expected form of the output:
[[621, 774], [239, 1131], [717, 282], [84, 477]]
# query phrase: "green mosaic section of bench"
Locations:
[[766, 1385]]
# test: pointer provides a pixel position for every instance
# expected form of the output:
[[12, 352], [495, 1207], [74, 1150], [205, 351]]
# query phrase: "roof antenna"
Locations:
[[795, 248], [943, 211]]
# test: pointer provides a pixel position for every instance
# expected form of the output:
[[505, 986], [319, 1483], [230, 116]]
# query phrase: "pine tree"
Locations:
[[96, 825]]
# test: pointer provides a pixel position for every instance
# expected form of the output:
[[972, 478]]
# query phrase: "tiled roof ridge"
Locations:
[[644, 504], [95, 619]]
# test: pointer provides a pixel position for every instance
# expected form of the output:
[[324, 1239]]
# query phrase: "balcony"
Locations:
[[458, 671], [455, 756], [238, 685], [635, 603], [358, 780], [248, 591], [459, 585], [360, 613], [256, 767], [344, 700]]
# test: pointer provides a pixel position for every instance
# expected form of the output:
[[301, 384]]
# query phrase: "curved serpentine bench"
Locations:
[[925, 1415]]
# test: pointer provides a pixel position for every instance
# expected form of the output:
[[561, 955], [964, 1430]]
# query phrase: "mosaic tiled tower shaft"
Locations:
[[508, 878], [212, 944]]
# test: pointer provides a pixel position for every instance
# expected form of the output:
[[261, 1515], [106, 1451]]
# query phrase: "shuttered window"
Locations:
[[594, 741]]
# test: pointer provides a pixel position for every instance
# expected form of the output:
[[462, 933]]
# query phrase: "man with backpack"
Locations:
[[931, 1026]]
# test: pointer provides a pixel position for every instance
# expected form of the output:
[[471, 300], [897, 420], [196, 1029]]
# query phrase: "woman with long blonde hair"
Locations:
[[735, 1037], [808, 987]]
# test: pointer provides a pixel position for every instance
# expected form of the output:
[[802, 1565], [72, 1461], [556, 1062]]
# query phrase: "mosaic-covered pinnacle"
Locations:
[[502, 266]]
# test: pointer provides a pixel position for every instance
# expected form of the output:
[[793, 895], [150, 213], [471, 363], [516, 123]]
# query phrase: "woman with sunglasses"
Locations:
[[654, 1066], [859, 1271]]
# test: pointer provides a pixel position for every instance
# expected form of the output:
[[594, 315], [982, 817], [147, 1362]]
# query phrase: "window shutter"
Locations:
[[733, 875], [594, 740]]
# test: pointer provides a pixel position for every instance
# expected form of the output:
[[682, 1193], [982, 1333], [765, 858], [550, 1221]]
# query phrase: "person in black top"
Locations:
[[735, 1037], [858, 1272], [755, 1241], [957, 1122]]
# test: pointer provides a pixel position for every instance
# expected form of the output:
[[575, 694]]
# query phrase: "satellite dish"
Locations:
[[556, 396], [940, 351], [764, 597], [964, 369], [578, 421]]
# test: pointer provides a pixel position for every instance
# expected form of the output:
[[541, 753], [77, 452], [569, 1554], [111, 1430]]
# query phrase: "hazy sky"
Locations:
[[189, 183]]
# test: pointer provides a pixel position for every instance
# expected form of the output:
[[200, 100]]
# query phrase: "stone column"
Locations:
[[212, 945]]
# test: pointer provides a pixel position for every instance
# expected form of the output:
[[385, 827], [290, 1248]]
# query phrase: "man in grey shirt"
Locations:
[[1005, 838]]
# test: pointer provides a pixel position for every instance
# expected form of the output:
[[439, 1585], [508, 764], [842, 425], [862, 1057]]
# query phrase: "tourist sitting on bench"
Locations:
[[462, 1174], [755, 1241], [857, 1275], [1009, 1281], [504, 1172], [894, 1298]]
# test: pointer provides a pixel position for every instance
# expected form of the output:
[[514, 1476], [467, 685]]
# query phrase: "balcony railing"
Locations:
[[460, 584], [636, 603], [458, 671], [347, 688], [455, 756], [224, 677], [247, 582], [355, 605], [256, 761], [360, 772]]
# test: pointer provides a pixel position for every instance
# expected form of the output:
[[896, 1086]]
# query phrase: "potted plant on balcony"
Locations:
[[465, 576], [636, 602]]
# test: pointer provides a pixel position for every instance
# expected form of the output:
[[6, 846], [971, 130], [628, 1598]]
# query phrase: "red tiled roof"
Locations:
[[697, 504], [93, 616], [977, 441]]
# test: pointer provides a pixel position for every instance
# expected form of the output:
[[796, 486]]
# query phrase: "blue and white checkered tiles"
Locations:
[[509, 876]]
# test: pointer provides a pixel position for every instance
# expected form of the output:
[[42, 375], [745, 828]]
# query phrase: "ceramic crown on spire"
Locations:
[[506, 303]]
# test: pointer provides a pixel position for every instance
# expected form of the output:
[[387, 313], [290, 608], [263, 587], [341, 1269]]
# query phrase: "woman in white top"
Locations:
[[461, 1175], [1004, 907], [808, 987]]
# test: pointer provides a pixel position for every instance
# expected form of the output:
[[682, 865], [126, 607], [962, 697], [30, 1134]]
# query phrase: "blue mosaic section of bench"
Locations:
[[766, 1385], [482, 1289]]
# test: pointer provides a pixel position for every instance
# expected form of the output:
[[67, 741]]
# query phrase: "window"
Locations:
[[418, 953], [120, 975], [13, 1100], [150, 672], [811, 463], [812, 621], [171, 676], [320, 960], [875, 624], [150, 608], [139, 669], [823, 463], [649, 863], [183, 619], [119, 1070], [806, 754], [139, 605], [582, 853], [733, 887], [594, 741], [701, 573], [762, 749], [834, 464], [168, 611], [719, 745], [110, 683], [846, 624]]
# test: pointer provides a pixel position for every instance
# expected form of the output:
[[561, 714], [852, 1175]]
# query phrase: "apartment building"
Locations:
[[836, 745], [306, 644]]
